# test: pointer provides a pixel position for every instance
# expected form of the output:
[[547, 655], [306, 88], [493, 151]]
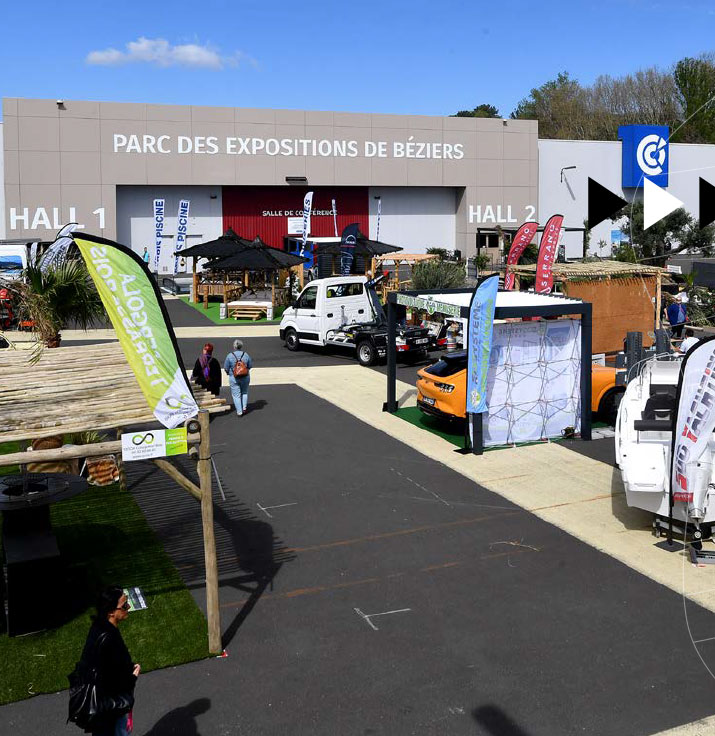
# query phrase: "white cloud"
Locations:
[[160, 52]]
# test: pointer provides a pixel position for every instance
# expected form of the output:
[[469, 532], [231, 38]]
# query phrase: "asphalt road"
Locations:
[[366, 589]]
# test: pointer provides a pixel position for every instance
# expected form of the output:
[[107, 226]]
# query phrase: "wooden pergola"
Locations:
[[80, 389], [597, 270], [399, 259]]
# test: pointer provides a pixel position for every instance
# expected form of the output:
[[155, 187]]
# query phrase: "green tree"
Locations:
[[57, 298], [560, 106], [480, 111], [436, 274], [676, 233], [695, 82]]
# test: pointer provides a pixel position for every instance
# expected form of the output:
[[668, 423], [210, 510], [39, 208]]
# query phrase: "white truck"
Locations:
[[345, 311], [13, 259]]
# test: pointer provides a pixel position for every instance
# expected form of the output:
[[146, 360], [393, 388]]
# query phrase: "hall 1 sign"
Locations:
[[154, 443]]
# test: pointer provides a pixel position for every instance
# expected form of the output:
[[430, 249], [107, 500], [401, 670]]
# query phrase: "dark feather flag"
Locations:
[[347, 248]]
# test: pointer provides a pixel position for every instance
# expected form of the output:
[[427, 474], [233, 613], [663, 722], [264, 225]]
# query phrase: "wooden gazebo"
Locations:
[[625, 296], [74, 390]]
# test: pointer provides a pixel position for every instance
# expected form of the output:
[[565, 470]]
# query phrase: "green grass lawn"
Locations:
[[212, 312], [454, 431], [104, 538]]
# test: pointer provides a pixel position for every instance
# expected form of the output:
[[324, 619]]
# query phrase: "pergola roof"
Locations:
[[406, 257], [74, 389], [504, 299], [593, 269]]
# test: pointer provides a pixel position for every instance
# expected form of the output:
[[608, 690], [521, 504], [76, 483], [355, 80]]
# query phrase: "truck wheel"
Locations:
[[366, 353], [291, 338]]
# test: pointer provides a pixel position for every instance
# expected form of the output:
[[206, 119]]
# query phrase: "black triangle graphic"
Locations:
[[706, 204], [602, 203]]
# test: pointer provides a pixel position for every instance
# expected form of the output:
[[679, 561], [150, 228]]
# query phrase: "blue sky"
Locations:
[[415, 57]]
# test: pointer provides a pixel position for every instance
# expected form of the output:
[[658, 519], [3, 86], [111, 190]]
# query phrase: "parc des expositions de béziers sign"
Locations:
[[132, 303], [51, 217]]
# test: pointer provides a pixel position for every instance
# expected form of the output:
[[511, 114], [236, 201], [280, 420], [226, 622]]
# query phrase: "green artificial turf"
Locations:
[[453, 431], [104, 538], [212, 312], [6, 449]]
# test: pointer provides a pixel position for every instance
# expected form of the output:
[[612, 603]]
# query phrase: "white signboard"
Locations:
[[154, 443], [534, 381], [295, 226]]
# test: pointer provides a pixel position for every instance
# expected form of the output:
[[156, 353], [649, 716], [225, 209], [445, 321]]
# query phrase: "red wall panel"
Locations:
[[264, 211]]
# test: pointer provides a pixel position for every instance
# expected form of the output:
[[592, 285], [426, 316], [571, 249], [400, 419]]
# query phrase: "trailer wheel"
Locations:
[[366, 353], [291, 339]]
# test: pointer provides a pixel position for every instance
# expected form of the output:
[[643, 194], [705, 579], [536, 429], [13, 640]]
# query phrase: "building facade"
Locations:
[[413, 181], [432, 180]]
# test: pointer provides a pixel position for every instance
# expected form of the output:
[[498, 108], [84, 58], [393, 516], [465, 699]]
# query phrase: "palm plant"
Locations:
[[56, 298]]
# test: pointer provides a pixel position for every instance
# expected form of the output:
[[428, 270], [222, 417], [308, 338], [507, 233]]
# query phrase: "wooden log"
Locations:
[[120, 465], [207, 520], [65, 453], [176, 475]]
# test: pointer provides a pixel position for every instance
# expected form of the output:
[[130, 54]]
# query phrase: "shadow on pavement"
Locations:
[[181, 720], [496, 722]]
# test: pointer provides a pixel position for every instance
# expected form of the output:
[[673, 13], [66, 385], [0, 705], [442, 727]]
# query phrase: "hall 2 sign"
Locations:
[[498, 215]]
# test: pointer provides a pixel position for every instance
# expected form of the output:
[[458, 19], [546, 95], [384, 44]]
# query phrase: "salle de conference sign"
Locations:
[[237, 146], [429, 305]]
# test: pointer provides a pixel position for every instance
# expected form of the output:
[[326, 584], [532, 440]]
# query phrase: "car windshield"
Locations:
[[448, 365]]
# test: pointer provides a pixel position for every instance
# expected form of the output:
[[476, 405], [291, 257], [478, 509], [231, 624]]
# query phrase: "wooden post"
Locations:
[[120, 464], [225, 300], [301, 276], [658, 297], [195, 294], [207, 521]]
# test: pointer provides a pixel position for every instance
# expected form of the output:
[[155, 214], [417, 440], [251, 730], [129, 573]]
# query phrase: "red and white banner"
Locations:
[[694, 426], [548, 248], [524, 235]]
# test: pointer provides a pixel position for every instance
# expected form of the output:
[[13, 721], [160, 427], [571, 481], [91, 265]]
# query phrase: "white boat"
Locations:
[[644, 438]]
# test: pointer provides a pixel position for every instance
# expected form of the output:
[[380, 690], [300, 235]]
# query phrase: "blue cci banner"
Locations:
[[481, 326], [645, 154]]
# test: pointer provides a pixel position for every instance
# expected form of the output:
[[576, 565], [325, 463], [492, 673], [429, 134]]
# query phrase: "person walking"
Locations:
[[238, 366], [116, 673], [207, 371], [145, 256], [677, 314]]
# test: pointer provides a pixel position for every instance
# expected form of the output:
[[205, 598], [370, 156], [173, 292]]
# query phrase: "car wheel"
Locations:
[[291, 339], [608, 408], [366, 353]]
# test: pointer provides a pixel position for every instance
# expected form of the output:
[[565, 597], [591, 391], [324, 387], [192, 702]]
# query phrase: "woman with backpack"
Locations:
[[238, 365]]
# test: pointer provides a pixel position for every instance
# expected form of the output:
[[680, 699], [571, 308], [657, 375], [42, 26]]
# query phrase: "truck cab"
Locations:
[[13, 260], [345, 311]]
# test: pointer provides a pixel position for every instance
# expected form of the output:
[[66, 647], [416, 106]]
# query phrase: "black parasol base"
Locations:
[[33, 580]]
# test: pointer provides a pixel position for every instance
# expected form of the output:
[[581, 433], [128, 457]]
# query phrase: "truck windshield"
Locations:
[[10, 263]]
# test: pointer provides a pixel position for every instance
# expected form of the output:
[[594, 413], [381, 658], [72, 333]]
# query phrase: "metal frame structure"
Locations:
[[568, 306]]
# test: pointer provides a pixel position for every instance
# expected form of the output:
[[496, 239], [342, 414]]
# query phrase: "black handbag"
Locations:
[[88, 707]]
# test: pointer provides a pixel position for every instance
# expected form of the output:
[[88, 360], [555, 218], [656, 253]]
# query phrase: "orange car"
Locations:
[[442, 389]]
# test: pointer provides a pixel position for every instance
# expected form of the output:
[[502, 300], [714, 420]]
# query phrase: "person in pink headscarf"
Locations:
[[207, 371]]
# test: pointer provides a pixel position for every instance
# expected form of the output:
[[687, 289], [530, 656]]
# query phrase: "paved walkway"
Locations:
[[579, 495]]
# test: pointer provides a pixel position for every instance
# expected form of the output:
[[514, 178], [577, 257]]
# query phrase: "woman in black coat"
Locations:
[[116, 673], [207, 371]]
